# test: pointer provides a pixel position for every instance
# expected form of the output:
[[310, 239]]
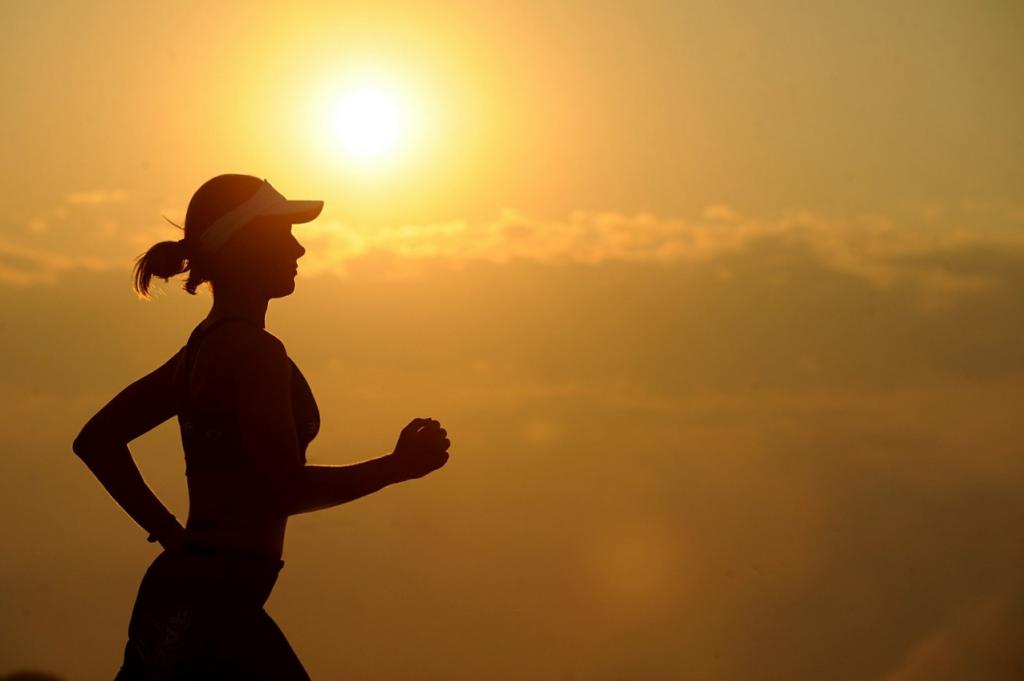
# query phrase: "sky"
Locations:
[[718, 302]]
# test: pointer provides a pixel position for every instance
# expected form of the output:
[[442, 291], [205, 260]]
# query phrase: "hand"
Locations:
[[422, 447], [172, 539]]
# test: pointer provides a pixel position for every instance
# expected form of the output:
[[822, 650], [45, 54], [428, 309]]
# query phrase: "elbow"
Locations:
[[88, 442], [84, 442], [288, 493], [83, 446]]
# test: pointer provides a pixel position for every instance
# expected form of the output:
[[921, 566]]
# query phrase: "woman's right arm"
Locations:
[[103, 446], [114, 467]]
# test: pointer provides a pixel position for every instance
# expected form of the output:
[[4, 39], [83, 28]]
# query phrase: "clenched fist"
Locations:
[[422, 447]]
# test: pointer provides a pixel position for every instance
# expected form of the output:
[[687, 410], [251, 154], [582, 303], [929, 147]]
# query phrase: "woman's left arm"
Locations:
[[103, 446], [422, 447]]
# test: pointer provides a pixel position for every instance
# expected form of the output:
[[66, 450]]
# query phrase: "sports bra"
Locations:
[[211, 438]]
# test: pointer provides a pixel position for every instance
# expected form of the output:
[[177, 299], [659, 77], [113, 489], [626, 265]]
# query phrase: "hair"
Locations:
[[167, 259]]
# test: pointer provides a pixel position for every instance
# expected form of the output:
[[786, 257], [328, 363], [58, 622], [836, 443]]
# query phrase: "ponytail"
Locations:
[[165, 260]]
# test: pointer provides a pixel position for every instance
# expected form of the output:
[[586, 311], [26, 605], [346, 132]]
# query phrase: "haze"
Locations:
[[720, 304]]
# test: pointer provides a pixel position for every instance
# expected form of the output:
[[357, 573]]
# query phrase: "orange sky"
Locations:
[[719, 302]]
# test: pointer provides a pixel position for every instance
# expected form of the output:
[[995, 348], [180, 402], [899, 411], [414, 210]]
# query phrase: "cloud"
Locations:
[[96, 197], [22, 266], [940, 255], [882, 251]]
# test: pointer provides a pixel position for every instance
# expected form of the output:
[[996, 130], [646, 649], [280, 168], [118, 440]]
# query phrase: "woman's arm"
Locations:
[[322, 486], [114, 467], [422, 447], [257, 365], [103, 446]]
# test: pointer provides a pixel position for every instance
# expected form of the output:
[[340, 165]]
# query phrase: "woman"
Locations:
[[246, 416]]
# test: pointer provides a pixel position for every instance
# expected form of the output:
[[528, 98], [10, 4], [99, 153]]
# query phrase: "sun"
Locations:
[[373, 124], [367, 123]]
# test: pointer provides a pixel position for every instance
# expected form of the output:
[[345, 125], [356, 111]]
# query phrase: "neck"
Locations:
[[233, 303]]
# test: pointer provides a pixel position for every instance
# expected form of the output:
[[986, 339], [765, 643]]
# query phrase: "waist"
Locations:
[[233, 531], [197, 548], [189, 576]]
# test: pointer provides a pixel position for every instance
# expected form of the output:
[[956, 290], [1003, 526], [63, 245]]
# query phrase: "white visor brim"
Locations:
[[266, 202]]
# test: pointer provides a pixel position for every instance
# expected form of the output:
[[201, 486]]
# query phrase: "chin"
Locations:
[[286, 288]]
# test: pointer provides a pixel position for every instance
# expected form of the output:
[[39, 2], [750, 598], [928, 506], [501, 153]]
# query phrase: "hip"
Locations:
[[198, 611], [210, 579]]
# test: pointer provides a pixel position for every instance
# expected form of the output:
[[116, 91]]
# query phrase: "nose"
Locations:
[[299, 250]]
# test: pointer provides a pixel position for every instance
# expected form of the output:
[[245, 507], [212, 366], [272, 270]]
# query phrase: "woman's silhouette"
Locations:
[[246, 416]]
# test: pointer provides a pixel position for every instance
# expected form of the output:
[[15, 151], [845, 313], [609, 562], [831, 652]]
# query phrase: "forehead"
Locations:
[[272, 222]]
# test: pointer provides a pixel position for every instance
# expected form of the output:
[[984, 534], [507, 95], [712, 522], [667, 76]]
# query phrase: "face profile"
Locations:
[[261, 258], [237, 238]]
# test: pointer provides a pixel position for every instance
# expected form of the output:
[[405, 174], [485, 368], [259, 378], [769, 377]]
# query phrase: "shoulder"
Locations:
[[245, 351]]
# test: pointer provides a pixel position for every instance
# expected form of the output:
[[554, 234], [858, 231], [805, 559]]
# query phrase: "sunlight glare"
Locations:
[[367, 123]]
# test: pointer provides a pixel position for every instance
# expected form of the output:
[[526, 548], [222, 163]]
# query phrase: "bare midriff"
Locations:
[[224, 517]]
